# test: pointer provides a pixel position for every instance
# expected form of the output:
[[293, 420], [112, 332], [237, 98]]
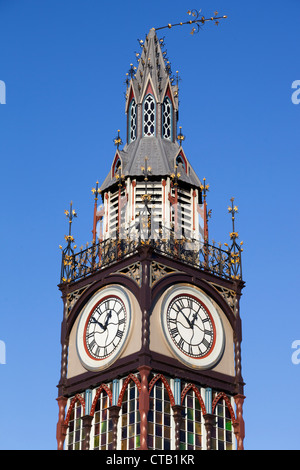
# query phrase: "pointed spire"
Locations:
[[153, 66]]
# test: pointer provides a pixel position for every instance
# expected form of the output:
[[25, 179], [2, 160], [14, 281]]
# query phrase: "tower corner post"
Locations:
[[61, 427], [239, 424], [144, 406]]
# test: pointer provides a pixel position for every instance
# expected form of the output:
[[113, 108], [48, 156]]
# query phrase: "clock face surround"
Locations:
[[192, 327], [103, 328]]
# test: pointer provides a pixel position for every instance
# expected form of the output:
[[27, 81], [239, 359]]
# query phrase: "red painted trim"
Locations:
[[125, 385], [72, 404], [158, 377], [102, 388], [197, 393], [223, 396]]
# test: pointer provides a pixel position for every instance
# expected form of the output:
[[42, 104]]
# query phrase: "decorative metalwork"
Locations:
[[117, 140], [68, 253], [235, 248], [180, 136], [222, 263], [198, 21]]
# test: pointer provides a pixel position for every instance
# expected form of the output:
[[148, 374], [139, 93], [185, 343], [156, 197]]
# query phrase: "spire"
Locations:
[[154, 68]]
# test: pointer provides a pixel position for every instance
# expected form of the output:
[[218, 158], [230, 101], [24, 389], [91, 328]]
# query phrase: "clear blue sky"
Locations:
[[64, 66]]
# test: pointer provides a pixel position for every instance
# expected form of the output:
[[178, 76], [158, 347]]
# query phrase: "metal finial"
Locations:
[[117, 140], [96, 191], [198, 21], [233, 210], [175, 176], [71, 214], [180, 136]]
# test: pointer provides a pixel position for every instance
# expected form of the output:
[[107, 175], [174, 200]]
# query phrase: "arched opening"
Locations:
[[167, 111], [149, 115], [132, 121]]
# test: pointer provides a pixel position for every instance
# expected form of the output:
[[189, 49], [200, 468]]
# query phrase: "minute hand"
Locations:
[[188, 321]]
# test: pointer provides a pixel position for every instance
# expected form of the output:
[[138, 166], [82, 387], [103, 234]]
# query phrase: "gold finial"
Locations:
[[96, 191]]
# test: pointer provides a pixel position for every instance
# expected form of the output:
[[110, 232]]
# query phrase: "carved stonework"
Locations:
[[228, 294], [134, 271], [159, 270]]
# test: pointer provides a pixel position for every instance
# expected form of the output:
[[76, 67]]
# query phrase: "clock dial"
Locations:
[[191, 326], [105, 327]]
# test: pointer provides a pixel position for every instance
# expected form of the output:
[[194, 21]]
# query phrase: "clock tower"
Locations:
[[151, 330]]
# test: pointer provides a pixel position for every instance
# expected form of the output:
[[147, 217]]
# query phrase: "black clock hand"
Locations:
[[188, 321], [108, 317], [93, 320], [194, 319]]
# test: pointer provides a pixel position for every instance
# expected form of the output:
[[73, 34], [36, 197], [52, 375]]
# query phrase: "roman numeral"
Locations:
[[174, 331]]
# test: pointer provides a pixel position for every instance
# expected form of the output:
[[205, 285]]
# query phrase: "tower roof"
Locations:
[[152, 76]]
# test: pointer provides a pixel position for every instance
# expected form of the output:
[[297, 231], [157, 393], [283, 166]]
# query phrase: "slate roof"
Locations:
[[161, 155]]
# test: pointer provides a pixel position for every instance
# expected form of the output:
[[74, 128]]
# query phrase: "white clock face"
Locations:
[[192, 327], [103, 328]]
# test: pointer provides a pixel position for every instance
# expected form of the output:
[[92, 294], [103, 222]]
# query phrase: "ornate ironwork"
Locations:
[[222, 263], [198, 21]]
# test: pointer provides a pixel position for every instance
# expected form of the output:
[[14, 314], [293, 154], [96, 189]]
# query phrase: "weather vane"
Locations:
[[198, 21]]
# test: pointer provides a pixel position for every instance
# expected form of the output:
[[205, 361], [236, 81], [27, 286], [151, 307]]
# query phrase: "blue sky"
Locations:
[[64, 66]]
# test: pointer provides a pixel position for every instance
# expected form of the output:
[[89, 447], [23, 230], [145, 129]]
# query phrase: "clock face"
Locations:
[[103, 328], [192, 327]]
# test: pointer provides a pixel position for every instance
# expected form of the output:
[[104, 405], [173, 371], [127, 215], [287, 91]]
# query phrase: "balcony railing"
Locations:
[[222, 263]]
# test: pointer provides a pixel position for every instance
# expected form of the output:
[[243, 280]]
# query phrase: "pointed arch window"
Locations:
[[149, 115], [222, 437], [167, 110], [191, 431], [160, 416], [132, 121]]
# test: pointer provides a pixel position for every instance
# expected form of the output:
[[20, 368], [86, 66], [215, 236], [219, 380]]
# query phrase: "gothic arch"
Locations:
[[102, 388], [72, 404], [193, 387], [158, 377], [125, 385], [223, 396]]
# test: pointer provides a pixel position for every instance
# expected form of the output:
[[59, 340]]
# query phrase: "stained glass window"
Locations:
[[149, 116], [75, 434], [132, 122], [159, 418], [103, 435], [130, 419], [167, 119], [191, 431], [222, 432]]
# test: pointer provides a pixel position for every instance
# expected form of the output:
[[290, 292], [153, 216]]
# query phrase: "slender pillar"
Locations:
[[86, 424], [144, 406], [114, 411], [239, 425], [61, 428], [208, 423], [177, 414]]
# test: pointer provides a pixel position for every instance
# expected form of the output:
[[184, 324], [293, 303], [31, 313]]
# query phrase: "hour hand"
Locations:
[[93, 320]]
